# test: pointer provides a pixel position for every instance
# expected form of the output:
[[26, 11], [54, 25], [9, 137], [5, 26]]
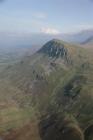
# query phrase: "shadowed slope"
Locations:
[[54, 127]]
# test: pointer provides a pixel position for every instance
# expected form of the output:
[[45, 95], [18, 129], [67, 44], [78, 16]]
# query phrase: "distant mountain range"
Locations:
[[81, 36], [28, 39], [88, 41]]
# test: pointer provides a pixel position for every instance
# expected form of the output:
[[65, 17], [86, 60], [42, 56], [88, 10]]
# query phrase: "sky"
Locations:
[[46, 16]]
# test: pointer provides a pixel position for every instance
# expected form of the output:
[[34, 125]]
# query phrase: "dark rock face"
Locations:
[[55, 49], [52, 128]]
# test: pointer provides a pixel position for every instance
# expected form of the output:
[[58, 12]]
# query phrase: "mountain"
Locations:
[[88, 41], [52, 90], [80, 36]]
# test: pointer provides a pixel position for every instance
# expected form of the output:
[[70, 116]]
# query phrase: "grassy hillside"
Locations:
[[57, 79]]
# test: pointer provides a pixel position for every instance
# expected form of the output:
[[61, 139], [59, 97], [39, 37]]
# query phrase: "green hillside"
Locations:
[[55, 87]]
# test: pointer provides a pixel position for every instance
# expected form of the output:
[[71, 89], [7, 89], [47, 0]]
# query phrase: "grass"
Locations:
[[13, 117]]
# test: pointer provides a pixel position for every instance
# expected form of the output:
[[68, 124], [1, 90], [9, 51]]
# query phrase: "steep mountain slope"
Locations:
[[56, 79]]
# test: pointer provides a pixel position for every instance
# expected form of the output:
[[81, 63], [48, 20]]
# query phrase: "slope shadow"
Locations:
[[53, 127], [89, 133]]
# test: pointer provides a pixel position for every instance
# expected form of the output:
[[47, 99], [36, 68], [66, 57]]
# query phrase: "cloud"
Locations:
[[84, 27], [50, 31]]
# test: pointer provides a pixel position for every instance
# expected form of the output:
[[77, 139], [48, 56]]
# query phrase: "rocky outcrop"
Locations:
[[56, 49]]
